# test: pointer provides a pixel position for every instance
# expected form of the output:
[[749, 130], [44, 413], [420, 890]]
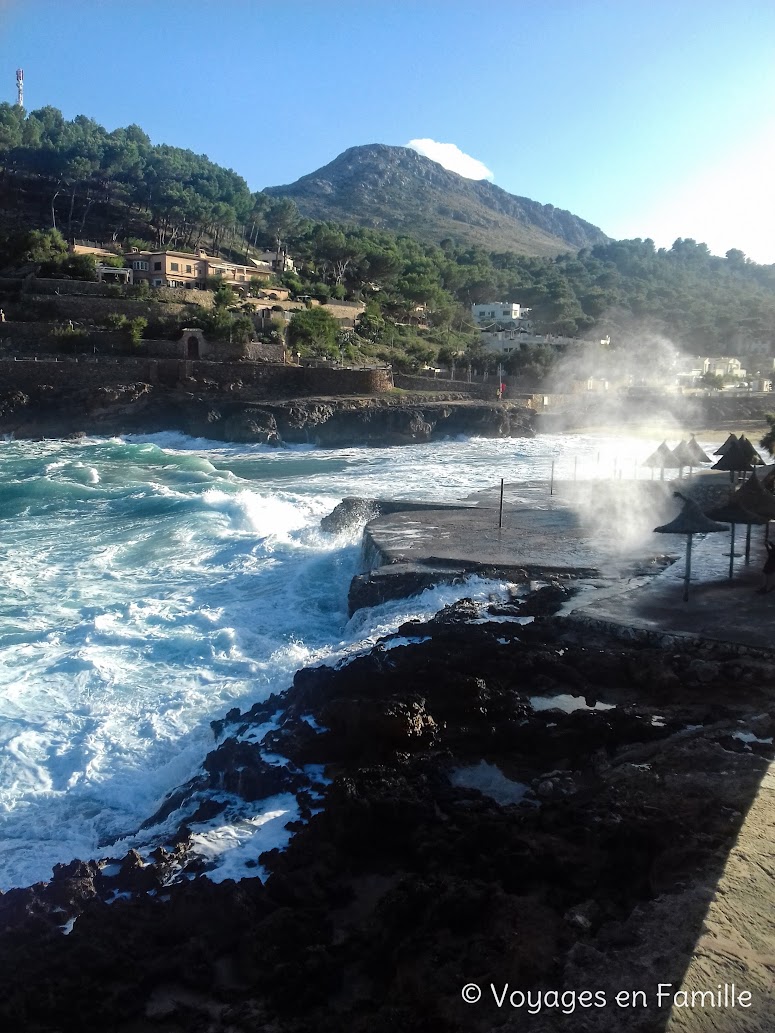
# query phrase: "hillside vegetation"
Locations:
[[86, 181]]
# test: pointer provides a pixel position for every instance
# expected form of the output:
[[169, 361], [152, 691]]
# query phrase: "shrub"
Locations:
[[140, 290], [115, 321], [137, 329]]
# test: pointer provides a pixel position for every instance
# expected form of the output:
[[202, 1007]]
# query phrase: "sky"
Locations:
[[649, 119]]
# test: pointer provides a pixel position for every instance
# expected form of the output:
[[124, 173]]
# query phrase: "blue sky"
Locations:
[[646, 118]]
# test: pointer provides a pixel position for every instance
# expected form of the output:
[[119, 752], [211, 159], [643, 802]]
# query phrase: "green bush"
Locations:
[[140, 290], [137, 329]]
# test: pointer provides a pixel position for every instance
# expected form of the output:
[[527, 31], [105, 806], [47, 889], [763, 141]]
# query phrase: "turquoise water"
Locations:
[[149, 585]]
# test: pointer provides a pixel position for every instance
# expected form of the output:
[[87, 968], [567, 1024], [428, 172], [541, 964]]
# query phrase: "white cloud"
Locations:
[[451, 157]]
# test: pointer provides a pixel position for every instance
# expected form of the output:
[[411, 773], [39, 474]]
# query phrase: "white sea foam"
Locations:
[[150, 584]]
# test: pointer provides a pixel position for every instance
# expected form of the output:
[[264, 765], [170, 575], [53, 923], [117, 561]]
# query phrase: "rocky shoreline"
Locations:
[[141, 408], [532, 804]]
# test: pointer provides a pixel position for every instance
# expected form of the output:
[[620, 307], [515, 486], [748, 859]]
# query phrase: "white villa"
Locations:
[[487, 313]]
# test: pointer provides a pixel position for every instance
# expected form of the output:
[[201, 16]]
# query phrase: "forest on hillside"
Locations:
[[117, 185]]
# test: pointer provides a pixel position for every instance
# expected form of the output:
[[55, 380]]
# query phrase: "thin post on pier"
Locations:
[[575, 465], [688, 570], [500, 511], [615, 464], [748, 545], [551, 480]]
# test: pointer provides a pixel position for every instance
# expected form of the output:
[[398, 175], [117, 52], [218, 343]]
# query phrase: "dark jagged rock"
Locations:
[[145, 408], [546, 600], [238, 768], [412, 875], [397, 581]]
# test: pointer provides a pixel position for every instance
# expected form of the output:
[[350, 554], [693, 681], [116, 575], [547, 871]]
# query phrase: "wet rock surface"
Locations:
[[528, 804]]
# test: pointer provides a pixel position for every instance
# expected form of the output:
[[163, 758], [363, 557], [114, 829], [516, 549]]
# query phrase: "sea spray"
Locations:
[[151, 584]]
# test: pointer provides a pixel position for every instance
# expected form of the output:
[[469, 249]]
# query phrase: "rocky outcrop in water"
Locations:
[[535, 805]]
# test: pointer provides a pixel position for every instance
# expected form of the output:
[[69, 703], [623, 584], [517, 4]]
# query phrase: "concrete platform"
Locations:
[[594, 529], [603, 534]]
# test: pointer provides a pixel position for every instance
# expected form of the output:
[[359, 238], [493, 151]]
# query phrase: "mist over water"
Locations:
[[148, 585]]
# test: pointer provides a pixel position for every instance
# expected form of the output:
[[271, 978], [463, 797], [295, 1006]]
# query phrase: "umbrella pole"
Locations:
[[748, 545], [732, 553], [688, 571]]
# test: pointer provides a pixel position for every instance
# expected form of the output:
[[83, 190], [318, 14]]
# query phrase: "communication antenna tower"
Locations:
[[20, 87]]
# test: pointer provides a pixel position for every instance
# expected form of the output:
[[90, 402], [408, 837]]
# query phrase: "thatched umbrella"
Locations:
[[697, 452], [754, 496], [736, 459], [685, 456], [729, 443], [749, 451], [662, 459], [734, 512], [690, 521]]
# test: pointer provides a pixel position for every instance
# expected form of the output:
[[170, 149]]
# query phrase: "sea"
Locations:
[[149, 584]]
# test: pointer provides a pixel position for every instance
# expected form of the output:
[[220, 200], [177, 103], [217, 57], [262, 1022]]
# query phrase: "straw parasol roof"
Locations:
[[691, 520], [734, 512], [684, 454], [748, 450], [663, 458], [729, 443], [735, 459], [754, 496], [697, 452]]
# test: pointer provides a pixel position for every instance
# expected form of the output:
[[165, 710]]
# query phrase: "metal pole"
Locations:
[[576, 463], [732, 554], [551, 480], [500, 512], [748, 545], [688, 571]]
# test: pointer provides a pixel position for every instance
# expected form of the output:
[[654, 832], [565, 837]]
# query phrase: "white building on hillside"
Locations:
[[500, 312]]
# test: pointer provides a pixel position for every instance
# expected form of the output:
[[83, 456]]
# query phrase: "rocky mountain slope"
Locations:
[[395, 188]]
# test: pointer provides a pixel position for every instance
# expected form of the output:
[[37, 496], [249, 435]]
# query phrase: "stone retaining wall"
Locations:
[[260, 381], [38, 338], [87, 288], [88, 309], [413, 383]]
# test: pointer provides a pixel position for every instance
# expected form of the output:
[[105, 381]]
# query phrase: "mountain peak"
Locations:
[[399, 189]]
